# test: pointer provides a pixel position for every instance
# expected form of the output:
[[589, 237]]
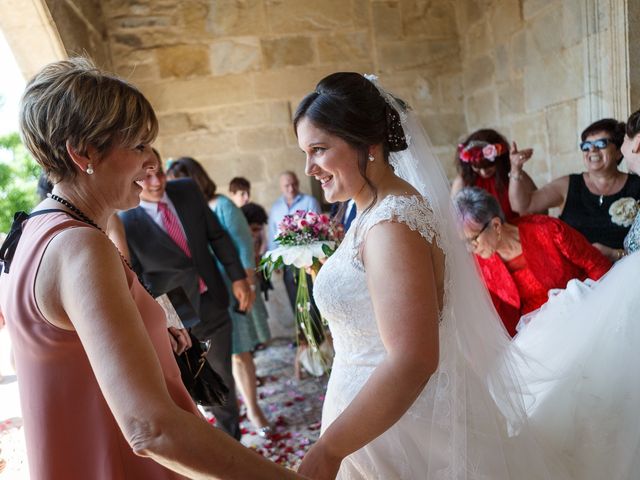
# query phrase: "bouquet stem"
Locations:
[[311, 328]]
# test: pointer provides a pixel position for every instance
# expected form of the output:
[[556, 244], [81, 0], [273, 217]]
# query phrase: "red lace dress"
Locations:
[[532, 293], [552, 254]]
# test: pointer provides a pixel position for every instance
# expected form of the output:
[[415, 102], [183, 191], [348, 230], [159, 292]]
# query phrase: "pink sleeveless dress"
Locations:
[[70, 431]]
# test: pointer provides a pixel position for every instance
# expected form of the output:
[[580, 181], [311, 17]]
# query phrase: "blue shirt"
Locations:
[[280, 209]]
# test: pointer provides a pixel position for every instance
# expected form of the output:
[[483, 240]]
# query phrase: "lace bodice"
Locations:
[[632, 240], [341, 290]]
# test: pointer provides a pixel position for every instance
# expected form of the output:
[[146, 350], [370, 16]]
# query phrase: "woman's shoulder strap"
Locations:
[[8, 248]]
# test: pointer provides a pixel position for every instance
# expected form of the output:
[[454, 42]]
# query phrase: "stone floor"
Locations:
[[294, 407]]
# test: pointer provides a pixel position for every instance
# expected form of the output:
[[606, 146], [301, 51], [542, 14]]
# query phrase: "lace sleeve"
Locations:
[[632, 240], [412, 211]]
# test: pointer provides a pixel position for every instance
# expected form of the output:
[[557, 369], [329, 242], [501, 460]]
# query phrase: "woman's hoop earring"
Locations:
[[371, 158], [89, 169]]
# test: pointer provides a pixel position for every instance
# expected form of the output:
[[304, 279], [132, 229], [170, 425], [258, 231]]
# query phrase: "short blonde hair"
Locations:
[[72, 100]]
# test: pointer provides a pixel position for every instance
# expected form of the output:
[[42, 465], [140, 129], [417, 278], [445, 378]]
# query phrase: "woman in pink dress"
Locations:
[[100, 390]]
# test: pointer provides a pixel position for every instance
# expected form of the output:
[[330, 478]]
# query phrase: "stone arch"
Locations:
[[31, 34]]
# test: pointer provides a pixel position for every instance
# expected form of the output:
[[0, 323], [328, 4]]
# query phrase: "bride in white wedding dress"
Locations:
[[424, 384]]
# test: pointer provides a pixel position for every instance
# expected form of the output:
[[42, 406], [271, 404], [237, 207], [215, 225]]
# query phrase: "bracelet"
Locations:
[[515, 175]]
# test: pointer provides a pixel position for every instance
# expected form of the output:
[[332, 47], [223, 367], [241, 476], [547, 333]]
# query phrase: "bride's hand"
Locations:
[[317, 464]]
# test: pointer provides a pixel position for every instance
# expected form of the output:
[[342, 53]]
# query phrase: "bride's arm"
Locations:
[[402, 284]]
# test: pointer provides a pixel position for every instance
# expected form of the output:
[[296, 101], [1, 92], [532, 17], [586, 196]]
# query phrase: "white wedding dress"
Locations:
[[455, 429], [583, 372], [559, 402]]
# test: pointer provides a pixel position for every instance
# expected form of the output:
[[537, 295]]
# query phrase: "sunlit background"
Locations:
[[11, 87]]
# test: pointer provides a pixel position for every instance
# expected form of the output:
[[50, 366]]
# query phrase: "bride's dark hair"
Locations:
[[633, 124], [349, 106]]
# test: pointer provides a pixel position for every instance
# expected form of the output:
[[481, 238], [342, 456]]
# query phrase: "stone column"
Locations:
[[632, 24], [612, 28]]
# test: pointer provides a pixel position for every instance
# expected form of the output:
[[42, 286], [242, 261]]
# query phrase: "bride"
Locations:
[[425, 382]]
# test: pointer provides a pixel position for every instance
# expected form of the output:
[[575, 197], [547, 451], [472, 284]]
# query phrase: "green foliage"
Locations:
[[18, 179], [267, 266]]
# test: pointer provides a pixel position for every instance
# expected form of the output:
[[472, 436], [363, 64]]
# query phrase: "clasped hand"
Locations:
[[318, 464], [180, 340]]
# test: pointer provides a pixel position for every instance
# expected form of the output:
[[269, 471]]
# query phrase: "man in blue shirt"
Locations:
[[290, 201]]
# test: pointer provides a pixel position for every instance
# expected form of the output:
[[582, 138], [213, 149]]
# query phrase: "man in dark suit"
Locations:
[[171, 236]]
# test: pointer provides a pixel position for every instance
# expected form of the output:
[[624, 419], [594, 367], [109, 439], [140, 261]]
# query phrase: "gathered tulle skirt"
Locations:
[[454, 430], [582, 370], [572, 414]]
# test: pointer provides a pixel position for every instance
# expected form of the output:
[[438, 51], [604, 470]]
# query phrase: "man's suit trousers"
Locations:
[[215, 325]]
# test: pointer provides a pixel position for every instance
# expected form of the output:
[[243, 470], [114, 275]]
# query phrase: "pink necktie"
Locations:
[[174, 230]]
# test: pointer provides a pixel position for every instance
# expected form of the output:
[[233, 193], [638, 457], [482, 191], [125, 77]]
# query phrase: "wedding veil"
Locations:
[[478, 399]]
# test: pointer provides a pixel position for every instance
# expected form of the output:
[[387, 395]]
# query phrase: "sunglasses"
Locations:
[[599, 144]]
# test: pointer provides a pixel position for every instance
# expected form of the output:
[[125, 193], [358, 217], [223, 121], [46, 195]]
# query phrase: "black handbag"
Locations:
[[204, 385]]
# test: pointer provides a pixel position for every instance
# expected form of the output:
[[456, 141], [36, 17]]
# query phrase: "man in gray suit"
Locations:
[[173, 237]]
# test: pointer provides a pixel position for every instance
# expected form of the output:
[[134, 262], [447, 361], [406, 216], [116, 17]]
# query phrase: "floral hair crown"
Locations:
[[475, 151]]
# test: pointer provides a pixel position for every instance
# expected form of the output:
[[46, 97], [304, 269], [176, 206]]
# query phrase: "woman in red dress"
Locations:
[[523, 259], [483, 160]]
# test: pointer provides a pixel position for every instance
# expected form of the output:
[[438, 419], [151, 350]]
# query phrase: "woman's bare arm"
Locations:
[[456, 185], [525, 198], [403, 287], [88, 291]]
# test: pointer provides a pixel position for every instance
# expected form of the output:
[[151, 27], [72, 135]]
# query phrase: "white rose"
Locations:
[[623, 211]]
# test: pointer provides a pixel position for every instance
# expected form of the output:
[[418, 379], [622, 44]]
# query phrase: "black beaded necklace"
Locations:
[[75, 210], [84, 218]]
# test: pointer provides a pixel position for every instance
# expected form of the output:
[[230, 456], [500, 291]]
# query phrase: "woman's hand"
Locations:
[[519, 157], [613, 254], [244, 294], [180, 340], [318, 464]]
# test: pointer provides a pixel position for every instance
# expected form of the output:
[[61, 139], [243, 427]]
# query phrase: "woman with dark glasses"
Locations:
[[593, 202]]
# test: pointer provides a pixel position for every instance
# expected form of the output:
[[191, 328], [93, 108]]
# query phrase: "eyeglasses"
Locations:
[[473, 241], [599, 144]]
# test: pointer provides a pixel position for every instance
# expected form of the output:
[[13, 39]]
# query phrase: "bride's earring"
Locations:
[[371, 158], [89, 169]]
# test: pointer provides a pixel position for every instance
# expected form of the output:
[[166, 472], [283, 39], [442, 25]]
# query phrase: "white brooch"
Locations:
[[623, 211]]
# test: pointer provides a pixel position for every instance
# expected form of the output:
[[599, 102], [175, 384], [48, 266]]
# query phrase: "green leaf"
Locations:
[[18, 179], [327, 250]]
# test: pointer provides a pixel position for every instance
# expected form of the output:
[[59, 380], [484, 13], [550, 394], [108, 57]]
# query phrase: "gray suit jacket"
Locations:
[[162, 265]]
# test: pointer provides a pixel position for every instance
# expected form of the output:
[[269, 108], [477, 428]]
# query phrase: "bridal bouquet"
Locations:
[[303, 238]]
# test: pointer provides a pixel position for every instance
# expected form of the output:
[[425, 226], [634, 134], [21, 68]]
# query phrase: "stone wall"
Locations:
[[31, 34], [225, 75], [81, 28], [540, 71]]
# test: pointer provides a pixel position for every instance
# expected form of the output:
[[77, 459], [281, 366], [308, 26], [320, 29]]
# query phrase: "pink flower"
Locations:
[[324, 219], [312, 218], [489, 152], [303, 223]]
